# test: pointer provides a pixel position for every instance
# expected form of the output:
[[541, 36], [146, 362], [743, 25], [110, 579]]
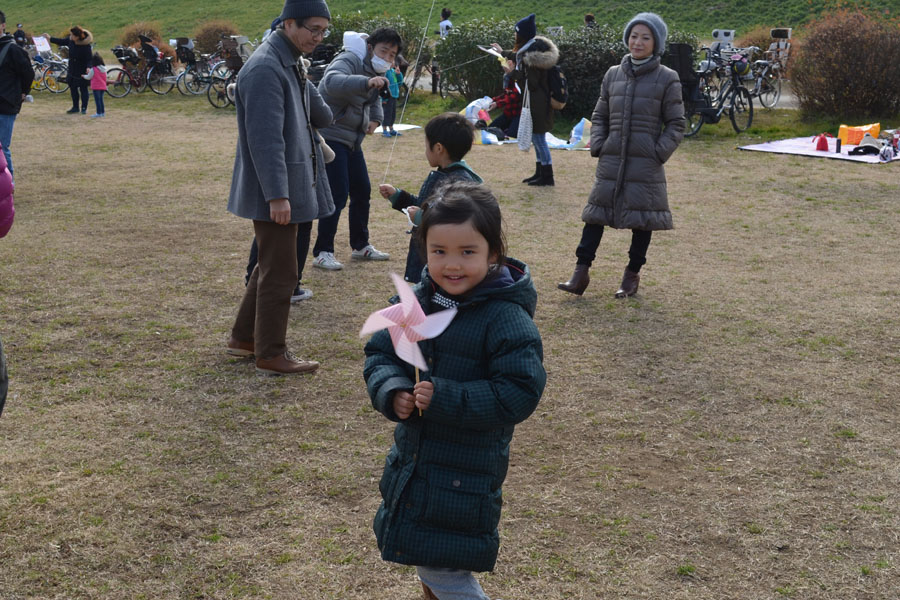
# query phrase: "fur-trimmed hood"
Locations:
[[542, 54], [88, 38]]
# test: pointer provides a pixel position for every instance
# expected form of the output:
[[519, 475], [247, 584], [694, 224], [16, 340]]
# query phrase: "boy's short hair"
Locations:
[[2, 17], [387, 36], [453, 131]]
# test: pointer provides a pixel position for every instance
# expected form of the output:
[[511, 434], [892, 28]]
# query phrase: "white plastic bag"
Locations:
[[476, 105], [526, 126]]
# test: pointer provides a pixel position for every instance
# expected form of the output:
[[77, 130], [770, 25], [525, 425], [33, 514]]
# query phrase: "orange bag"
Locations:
[[854, 135]]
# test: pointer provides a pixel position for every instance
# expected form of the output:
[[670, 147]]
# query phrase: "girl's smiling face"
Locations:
[[640, 42], [458, 257]]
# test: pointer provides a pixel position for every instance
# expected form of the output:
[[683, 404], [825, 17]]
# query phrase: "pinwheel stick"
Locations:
[[417, 381]]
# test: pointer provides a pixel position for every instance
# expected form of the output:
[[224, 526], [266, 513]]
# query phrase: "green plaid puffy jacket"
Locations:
[[441, 487]]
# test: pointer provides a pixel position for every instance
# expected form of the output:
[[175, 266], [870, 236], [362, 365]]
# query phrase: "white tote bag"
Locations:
[[526, 126]]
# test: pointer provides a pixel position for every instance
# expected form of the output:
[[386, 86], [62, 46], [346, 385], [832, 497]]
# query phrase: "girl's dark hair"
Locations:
[[387, 36], [97, 60], [446, 13], [462, 202], [78, 32]]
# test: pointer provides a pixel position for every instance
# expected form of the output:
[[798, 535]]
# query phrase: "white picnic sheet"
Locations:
[[805, 146]]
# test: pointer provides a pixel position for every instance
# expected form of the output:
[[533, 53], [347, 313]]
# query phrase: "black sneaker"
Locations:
[[73, 111], [300, 294]]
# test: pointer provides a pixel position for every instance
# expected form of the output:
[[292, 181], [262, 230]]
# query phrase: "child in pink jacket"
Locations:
[[97, 76]]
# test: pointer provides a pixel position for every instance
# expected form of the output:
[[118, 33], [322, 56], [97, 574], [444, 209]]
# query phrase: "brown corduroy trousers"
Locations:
[[266, 307]]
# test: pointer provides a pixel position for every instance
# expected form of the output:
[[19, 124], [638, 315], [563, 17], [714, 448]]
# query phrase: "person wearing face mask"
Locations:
[[351, 87]]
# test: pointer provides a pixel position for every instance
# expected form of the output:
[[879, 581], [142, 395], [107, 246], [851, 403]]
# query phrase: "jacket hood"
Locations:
[[542, 54], [356, 43], [512, 284], [462, 165], [88, 39]]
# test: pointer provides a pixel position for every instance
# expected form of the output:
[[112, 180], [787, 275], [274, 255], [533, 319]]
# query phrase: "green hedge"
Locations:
[[410, 31], [585, 56]]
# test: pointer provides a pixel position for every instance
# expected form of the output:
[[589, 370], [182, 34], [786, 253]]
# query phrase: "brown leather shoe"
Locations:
[[629, 287], [429, 595], [238, 348], [285, 364], [578, 282]]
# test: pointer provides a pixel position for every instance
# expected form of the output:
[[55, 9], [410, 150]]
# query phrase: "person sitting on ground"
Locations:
[[510, 101], [589, 21], [448, 138]]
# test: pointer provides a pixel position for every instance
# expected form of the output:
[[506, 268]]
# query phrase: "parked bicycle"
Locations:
[[766, 81], [53, 75], [235, 50], [157, 73], [197, 73], [719, 89]]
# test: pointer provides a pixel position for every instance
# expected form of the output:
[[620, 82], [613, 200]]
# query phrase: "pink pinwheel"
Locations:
[[407, 324]]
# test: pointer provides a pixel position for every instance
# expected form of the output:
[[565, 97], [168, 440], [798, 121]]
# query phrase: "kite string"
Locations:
[[409, 89]]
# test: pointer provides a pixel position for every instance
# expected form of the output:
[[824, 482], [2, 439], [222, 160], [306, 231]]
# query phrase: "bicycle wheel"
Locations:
[[56, 80], [741, 110], [217, 92], [770, 90], [38, 83], [188, 83], [159, 81], [118, 83], [693, 120]]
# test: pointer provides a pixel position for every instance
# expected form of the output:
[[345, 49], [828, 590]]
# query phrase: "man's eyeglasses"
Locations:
[[318, 33]]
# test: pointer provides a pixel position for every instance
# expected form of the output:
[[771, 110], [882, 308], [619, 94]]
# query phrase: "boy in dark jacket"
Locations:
[[448, 139]]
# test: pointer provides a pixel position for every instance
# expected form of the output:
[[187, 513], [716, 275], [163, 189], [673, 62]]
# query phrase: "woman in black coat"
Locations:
[[79, 44], [534, 57]]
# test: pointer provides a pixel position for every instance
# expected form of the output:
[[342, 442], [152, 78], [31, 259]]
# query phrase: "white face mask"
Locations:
[[380, 65]]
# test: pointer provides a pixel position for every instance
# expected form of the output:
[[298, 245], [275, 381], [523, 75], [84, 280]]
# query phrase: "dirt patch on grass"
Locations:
[[729, 433]]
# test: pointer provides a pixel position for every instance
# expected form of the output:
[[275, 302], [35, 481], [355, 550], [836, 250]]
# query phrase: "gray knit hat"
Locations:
[[657, 27], [300, 9]]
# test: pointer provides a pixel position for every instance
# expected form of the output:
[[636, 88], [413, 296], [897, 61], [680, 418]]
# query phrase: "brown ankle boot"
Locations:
[[629, 287], [429, 595], [578, 282]]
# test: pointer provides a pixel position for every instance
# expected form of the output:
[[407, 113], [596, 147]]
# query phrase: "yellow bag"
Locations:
[[854, 135]]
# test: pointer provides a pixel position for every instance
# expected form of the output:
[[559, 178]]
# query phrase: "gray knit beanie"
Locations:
[[300, 9], [657, 27]]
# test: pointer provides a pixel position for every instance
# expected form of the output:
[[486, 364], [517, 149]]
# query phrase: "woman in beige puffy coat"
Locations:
[[636, 126]]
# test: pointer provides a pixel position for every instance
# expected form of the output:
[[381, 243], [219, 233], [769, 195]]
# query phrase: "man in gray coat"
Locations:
[[279, 179]]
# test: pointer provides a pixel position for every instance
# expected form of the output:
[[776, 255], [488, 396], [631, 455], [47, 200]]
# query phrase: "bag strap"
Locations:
[[4, 52]]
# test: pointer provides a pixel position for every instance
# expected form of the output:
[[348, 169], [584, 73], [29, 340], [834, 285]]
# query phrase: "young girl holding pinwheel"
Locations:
[[441, 486]]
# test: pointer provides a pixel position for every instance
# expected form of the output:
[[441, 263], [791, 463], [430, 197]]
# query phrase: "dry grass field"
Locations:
[[730, 433]]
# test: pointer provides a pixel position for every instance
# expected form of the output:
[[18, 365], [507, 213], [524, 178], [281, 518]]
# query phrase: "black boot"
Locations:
[[546, 178], [578, 282], [537, 173]]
